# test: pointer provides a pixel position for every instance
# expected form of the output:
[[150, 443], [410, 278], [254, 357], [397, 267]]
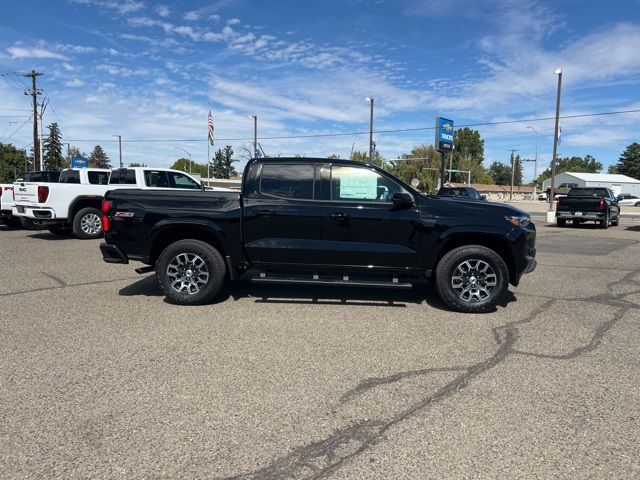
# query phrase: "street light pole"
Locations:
[[120, 148], [555, 148], [371, 101], [190, 162], [255, 135], [535, 165]]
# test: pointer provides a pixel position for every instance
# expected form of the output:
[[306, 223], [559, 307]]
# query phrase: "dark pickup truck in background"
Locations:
[[320, 222], [467, 193], [588, 204]]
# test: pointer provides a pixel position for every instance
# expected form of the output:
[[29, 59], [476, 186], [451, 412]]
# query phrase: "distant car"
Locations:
[[628, 200], [466, 193], [543, 196]]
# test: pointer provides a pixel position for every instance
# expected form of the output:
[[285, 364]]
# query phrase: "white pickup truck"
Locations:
[[73, 204], [6, 195]]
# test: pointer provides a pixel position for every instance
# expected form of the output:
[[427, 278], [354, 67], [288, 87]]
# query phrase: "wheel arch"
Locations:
[[165, 235], [494, 242], [94, 201]]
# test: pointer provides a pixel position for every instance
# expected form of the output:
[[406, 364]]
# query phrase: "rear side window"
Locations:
[[157, 179], [288, 181], [70, 176], [124, 176], [180, 180], [98, 178]]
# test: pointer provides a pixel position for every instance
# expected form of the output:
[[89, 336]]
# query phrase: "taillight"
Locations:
[[43, 194], [558, 202], [106, 223], [602, 204]]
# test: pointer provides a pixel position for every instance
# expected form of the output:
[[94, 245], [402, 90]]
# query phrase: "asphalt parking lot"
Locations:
[[101, 378]]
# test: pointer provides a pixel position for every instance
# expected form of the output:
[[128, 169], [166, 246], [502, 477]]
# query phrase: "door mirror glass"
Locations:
[[483, 197], [401, 199], [415, 182]]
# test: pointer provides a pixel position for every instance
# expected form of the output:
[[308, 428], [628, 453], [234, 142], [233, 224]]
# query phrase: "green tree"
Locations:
[[587, 164], [612, 169], [359, 156], [98, 158], [223, 163], [517, 171], [468, 143], [422, 163], [188, 166], [500, 173], [136, 164], [52, 149], [629, 162], [12, 163]]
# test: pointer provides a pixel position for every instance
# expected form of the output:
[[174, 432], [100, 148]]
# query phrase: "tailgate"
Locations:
[[25, 193], [579, 204]]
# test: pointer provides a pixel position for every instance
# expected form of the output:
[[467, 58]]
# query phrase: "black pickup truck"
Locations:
[[595, 204], [320, 222]]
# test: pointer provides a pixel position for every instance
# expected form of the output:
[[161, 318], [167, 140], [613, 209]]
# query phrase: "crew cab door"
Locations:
[[362, 227], [282, 219]]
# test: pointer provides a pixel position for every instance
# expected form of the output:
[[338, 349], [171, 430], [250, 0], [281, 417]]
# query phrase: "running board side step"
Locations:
[[147, 269], [330, 282]]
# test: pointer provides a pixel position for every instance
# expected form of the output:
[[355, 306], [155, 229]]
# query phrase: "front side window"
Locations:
[[361, 184], [288, 181], [98, 178], [157, 179], [180, 180]]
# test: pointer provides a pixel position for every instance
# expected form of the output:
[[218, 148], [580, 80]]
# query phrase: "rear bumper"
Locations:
[[582, 216], [33, 212], [112, 254]]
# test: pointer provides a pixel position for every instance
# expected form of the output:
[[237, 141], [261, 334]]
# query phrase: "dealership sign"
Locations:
[[79, 162], [444, 134]]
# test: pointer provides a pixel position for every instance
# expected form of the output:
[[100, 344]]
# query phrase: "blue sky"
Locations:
[[151, 70]]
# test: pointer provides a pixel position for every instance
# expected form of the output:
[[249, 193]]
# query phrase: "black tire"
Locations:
[[85, 225], [616, 222], [561, 222], [604, 223], [62, 229], [637, 204], [475, 255], [576, 223], [196, 255], [12, 222]]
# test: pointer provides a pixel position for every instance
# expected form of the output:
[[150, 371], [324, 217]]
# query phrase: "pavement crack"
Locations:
[[59, 281]]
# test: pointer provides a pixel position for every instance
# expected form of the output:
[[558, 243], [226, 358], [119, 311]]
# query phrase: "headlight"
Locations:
[[518, 220]]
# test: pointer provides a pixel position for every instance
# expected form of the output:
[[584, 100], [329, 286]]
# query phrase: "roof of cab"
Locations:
[[334, 161]]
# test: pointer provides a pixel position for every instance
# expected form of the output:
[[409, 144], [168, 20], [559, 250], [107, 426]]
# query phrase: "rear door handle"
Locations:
[[338, 215]]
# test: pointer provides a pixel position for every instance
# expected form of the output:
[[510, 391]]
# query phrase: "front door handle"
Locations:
[[263, 213], [339, 215]]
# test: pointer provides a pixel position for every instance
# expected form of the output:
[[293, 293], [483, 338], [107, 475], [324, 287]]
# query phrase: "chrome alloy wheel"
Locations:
[[187, 273], [473, 280], [90, 224]]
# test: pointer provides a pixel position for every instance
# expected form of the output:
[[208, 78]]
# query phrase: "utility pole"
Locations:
[[120, 148], [535, 165], [513, 171], [552, 192], [371, 101], [34, 92]]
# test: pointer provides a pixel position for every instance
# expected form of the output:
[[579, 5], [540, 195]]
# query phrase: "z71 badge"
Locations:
[[123, 214]]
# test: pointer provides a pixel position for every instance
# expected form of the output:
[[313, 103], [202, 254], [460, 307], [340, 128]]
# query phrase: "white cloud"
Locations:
[[120, 6], [233, 21], [23, 52], [191, 16], [163, 10], [76, 82]]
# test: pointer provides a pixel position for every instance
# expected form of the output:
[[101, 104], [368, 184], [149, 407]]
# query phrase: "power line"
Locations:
[[344, 134], [17, 129]]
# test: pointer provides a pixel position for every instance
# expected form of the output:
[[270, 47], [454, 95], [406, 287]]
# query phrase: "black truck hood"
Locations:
[[482, 211]]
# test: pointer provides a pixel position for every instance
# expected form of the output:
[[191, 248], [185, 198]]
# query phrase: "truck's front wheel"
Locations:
[[471, 278], [190, 272]]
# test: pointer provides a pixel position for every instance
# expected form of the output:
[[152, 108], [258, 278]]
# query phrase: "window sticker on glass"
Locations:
[[358, 184]]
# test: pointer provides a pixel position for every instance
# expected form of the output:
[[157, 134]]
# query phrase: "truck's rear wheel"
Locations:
[[471, 278], [190, 272], [87, 224], [562, 222], [604, 223]]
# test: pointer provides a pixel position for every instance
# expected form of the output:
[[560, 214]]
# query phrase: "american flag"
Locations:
[[210, 124]]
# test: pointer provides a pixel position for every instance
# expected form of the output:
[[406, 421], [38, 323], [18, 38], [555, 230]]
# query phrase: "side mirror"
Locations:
[[483, 197], [401, 199]]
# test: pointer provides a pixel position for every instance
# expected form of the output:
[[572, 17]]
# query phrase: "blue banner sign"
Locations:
[[79, 162], [444, 134]]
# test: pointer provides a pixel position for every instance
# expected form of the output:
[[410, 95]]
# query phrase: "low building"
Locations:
[[499, 192], [617, 183]]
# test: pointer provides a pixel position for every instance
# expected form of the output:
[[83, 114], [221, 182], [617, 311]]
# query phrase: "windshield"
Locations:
[[588, 192]]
